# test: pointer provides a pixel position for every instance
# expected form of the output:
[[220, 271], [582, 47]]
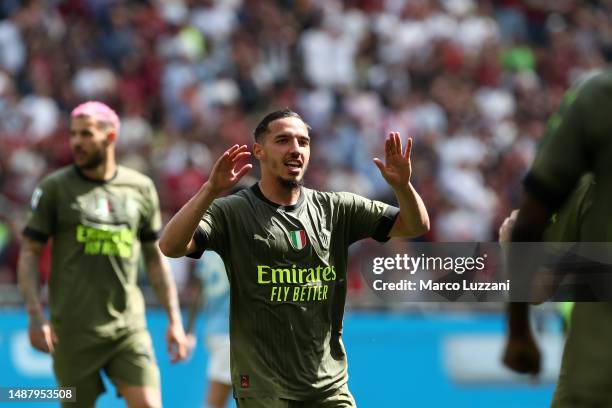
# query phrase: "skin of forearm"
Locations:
[[161, 279], [413, 212], [530, 223], [518, 312], [28, 278], [179, 231], [194, 307], [518, 318], [531, 220]]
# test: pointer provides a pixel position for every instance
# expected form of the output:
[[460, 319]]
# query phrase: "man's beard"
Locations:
[[96, 159], [290, 184]]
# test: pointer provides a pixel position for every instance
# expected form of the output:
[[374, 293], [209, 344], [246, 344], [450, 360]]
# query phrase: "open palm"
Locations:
[[397, 168], [226, 173]]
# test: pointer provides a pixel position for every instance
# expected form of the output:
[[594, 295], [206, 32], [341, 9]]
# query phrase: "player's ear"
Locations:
[[257, 150], [111, 137]]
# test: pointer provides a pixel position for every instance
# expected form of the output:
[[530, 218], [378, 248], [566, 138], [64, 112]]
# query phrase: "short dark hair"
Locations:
[[262, 127]]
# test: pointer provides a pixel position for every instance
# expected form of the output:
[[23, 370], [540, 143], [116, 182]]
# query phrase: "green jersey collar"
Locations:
[[84, 177], [257, 191]]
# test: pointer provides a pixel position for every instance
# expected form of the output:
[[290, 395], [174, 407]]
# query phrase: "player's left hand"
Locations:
[[397, 168], [177, 342]]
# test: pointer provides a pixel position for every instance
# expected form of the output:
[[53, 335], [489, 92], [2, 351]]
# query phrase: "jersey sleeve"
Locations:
[[565, 225], [150, 225], [211, 231], [567, 150], [41, 220], [366, 218]]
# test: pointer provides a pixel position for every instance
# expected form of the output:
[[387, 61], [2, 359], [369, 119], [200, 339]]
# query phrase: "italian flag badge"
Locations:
[[298, 239]]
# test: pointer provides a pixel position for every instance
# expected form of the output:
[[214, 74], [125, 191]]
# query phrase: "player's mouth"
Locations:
[[294, 166]]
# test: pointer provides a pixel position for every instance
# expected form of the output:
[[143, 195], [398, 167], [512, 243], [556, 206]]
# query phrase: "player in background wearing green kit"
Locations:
[[100, 217], [285, 249], [582, 142], [564, 226]]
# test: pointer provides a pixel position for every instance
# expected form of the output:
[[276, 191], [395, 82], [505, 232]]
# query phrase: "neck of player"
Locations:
[[279, 192], [104, 171]]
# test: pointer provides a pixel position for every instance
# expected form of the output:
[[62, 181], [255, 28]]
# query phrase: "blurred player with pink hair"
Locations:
[[100, 216]]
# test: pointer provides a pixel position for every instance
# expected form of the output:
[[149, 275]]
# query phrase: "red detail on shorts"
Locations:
[[244, 381]]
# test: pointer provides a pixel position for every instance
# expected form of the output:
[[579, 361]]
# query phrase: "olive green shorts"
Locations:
[[128, 360], [342, 398]]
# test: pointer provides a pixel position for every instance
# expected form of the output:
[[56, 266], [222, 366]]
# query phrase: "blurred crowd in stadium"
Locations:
[[473, 82]]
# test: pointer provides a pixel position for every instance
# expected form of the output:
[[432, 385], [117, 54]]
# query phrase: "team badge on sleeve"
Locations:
[[298, 239]]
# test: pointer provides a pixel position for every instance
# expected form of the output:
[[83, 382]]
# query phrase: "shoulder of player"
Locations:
[[333, 198], [134, 177], [603, 78], [239, 198], [599, 84], [57, 176], [317, 194]]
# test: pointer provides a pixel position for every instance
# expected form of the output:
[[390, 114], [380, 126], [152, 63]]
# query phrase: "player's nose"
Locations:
[[294, 146], [74, 140]]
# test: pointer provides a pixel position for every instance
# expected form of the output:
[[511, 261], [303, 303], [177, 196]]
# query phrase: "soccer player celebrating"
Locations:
[[99, 215], [285, 251]]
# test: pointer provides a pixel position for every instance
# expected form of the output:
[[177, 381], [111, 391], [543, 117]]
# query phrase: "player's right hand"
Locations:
[[522, 355], [42, 336], [225, 173]]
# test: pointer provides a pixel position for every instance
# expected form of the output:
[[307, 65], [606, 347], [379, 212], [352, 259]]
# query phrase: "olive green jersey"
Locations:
[[96, 228], [582, 142], [287, 271], [566, 224]]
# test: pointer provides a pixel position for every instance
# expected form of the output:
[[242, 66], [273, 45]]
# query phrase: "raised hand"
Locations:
[[397, 168], [225, 173]]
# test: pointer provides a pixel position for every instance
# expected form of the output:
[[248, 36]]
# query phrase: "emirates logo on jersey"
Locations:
[[298, 239]]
